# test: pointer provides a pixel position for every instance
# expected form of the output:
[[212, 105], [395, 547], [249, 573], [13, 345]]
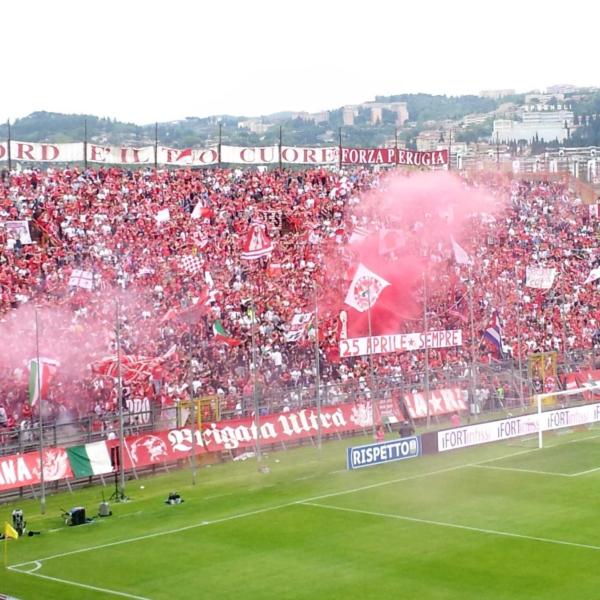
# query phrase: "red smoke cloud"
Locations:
[[417, 215]]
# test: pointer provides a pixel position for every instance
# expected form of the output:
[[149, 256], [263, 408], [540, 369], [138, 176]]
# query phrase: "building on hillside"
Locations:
[[562, 88], [496, 94], [254, 126], [377, 108], [318, 117], [474, 119], [376, 115], [428, 140], [543, 125], [348, 114], [544, 100]]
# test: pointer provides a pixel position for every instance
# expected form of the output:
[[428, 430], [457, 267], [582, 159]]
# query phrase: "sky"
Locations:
[[147, 61]]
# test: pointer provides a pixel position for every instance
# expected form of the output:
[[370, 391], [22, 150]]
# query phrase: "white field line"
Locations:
[[84, 585], [456, 526], [585, 472], [483, 463], [517, 453], [515, 469]]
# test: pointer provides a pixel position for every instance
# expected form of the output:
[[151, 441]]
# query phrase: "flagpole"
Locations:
[[121, 495], [519, 336], [254, 390], [193, 448], [373, 385], [41, 419], [473, 349], [426, 327], [317, 369]]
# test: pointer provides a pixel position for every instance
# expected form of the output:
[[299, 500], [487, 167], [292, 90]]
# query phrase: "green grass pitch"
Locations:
[[493, 522]]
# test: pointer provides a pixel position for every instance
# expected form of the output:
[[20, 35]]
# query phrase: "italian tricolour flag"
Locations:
[[91, 459], [223, 336], [41, 373]]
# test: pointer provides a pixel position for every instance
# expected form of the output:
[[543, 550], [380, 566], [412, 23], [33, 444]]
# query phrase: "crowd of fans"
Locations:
[[104, 221]]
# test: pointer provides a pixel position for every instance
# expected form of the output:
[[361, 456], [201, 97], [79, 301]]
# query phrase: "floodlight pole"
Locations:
[[317, 370], [41, 420], [518, 281], [120, 400], [193, 410], [426, 327], [473, 348], [254, 390], [374, 388]]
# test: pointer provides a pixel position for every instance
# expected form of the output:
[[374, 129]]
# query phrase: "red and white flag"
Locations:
[[82, 279], [162, 216], [202, 212], [365, 288], [594, 274], [460, 254], [358, 234], [257, 244], [134, 368], [298, 327], [190, 263]]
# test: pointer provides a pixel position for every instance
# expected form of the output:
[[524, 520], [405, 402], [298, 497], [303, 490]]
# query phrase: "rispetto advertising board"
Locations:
[[495, 431], [382, 452]]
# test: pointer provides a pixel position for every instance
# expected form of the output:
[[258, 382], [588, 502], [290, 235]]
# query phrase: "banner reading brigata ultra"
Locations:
[[241, 434], [198, 157]]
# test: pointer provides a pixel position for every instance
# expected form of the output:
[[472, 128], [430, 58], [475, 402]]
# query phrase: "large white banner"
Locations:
[[263, 155], [120, 156], [16, 230], [310, 156], [540, 278], [34, 152], [258, 155], [400, 342], [195, 157]]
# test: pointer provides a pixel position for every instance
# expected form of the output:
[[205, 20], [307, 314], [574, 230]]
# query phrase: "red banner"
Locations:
[[441, 402], [386, 156], [240, 434], [20, 470]]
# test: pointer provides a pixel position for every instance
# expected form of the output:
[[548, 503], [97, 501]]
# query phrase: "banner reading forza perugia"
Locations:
[[198, 157]]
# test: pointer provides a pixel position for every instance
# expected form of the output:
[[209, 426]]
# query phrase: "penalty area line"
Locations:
[[509, 534]]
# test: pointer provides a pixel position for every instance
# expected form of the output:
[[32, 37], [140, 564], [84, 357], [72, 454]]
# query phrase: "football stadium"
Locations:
[[344, 354]]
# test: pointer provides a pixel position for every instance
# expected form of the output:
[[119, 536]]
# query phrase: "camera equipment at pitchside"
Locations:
[[174, 498], [75, 516], [18, 521], [104, 508]]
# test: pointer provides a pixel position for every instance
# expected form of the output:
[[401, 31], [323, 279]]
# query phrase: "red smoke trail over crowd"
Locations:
[[411, 220]]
